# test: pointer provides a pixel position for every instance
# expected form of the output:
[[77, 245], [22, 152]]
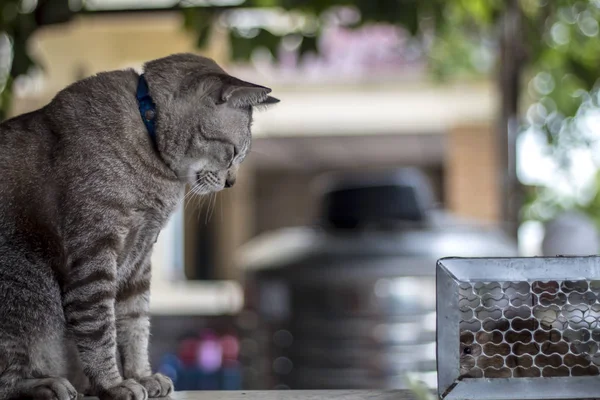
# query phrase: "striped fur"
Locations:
[[84, 194]]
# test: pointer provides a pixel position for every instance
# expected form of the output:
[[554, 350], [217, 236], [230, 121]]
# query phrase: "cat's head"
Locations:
[[203, 119]]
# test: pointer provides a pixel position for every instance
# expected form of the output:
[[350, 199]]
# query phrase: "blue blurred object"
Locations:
[[231, 377], [190, 379], [209, 381], [170, 366]]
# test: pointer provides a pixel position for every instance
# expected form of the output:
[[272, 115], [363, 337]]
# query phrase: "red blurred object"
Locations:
[[231, 348], [188, 350]]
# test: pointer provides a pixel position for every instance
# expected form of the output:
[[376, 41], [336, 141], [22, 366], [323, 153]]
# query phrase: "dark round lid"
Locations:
[[372, 199]]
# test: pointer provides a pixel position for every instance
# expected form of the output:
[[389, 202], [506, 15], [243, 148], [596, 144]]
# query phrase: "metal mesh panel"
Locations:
[[518, 328], [529, 329]]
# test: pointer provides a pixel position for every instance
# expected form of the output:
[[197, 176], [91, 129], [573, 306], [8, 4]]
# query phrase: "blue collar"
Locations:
[[147, 108]]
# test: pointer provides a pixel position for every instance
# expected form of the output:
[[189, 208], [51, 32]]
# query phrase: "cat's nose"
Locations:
[[229, 182]]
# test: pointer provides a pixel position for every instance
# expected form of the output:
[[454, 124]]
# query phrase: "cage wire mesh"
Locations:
[[522, 329], [520, 325]]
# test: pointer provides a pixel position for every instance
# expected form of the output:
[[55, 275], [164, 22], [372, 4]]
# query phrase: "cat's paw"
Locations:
[[126, 390], [52, 389], [157, 385]]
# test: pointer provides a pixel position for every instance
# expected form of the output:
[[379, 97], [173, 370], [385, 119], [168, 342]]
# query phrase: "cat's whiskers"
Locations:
[[190, 191], [206, 216], [199, 200], [221, 207], [195, 193], [214, 204], [189, 195], [187, 198]]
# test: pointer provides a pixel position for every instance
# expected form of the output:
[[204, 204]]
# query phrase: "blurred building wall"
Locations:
[[472, 172]]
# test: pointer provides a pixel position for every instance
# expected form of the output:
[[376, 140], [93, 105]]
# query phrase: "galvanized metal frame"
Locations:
[[450, 273]]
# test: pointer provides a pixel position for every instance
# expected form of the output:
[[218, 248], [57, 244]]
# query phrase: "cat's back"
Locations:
[[75, 124], [25, 145], [28, 199], [97, 104]]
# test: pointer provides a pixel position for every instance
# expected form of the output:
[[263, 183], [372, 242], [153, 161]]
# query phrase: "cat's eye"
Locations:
[[467, 350], [235, 154]]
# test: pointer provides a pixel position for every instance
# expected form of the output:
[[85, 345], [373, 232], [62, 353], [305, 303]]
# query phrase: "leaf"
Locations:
[[50, 12], [418, 389], [199, 21], [587, 76], [5, 98], [308, 45], [23, 27], [242, 48], [314, 6], [264, 3]]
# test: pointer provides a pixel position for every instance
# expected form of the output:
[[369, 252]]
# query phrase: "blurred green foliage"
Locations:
[[461, 37], [15, 29], [418, 389], [561, 95], [18, 20], [560, 47]]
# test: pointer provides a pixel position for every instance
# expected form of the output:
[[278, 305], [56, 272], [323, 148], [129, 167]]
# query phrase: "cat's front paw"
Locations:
[[157, 385], [126, 390], [51, 389]]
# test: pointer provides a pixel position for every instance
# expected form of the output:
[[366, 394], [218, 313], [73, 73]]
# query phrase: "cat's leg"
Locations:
[[53, 388], [89, 306], [133, 331], [21, 378], [32, 330], [74, 368]]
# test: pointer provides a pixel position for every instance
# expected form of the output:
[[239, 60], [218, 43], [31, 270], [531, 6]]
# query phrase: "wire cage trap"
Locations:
[[518, 328]]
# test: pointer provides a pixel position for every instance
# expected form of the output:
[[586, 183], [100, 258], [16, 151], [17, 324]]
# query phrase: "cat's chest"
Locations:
[[140, 229], [138, 237], [152, 211]]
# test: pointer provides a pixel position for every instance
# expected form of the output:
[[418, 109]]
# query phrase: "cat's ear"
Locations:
[[239, 93], [266, 103], [269, 101]]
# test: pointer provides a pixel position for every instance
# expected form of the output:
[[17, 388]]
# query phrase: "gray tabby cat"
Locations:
[[84, 193]]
